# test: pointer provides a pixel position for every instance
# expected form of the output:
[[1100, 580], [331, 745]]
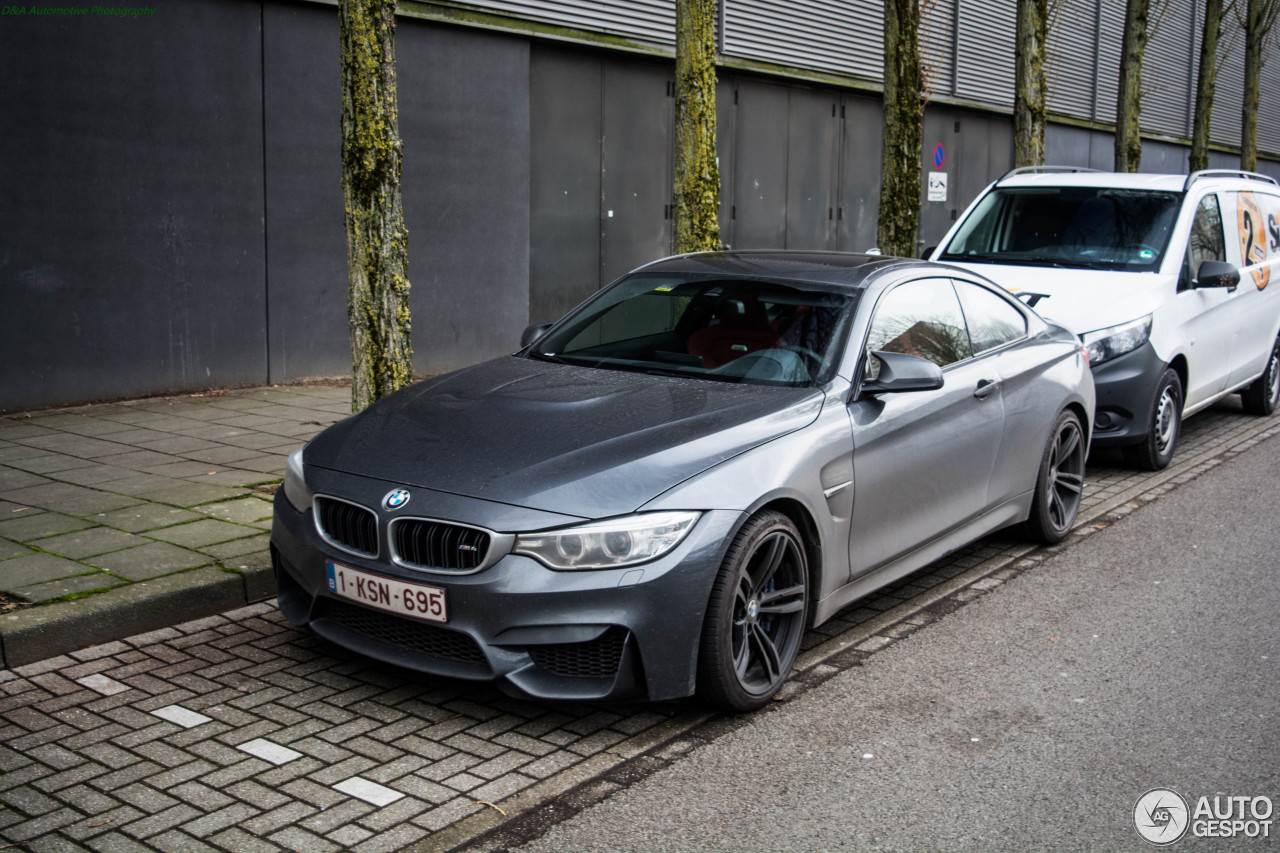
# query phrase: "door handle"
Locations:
[[985, 388]]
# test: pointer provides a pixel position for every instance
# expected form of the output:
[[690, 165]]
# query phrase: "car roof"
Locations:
[[840, 268], [1057, 176]]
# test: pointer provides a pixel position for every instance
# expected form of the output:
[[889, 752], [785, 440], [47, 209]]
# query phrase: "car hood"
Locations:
[[566, 439], [1081, 300]]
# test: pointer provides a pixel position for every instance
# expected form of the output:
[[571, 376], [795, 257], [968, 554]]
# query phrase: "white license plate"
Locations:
[[415, 600]]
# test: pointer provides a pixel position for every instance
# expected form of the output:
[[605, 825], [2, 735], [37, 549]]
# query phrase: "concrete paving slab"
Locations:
[[221, 454], [199, 533], [9, 550], [95, 474], [228, 551], [236, 478], [38, 568], [16, 478], [38, 524], [88, 543], [141, 517], [189, 494], [54, 590], [46, 463], [149, 561], [240, 510], [10, 451]]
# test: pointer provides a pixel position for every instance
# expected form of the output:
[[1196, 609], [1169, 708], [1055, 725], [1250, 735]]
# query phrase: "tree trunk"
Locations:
[[1030, 88], [1206, 82], [903, 107], [1129, 98], [697, 188], [377, 241]]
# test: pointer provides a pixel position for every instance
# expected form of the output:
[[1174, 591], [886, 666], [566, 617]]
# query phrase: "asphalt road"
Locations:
[[1146, 656]]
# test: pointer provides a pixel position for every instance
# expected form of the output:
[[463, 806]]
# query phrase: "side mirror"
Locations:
[[532, 332], [1217, 274], [928, 250], [901, 372]]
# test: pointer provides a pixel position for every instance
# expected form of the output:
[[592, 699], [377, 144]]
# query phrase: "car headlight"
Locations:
[[608, 544], [295, 484], [1106, 344]]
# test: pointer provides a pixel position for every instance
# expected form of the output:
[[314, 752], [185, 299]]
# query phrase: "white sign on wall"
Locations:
[[937, 186]]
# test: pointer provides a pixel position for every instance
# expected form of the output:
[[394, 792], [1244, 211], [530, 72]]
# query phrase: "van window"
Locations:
[[1079, 227], [1207, 242]]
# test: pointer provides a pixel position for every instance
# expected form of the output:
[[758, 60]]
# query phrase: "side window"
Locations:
[[992, 321], [1207, 242], [921, 318]]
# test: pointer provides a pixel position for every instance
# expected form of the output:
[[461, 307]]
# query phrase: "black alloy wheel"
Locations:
[[1060, 484], [756, 616]]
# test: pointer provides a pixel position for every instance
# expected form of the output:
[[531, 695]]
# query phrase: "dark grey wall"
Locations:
[[171, 200], [131, 203]]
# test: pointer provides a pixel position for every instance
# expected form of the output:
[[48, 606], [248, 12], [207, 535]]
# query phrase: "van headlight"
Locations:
[[608, 544], [295, 483], [1106, 344]]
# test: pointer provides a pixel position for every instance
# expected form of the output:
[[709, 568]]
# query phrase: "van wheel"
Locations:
[[1261, 397], [1164, 424]]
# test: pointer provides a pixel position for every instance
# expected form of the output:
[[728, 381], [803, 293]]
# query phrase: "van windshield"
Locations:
[[1080, 227]]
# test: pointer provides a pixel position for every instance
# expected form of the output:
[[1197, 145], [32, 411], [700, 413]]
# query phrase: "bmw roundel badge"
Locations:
[[396, 499]]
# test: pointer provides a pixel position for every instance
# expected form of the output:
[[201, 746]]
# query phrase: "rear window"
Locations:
[[1080, 227]]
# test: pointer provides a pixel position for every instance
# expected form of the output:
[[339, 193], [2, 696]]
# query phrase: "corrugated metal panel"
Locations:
[[938, 46], [1167, 77], [1110, 44], [986, 43], [1228, 94], [829, 35], [1072, 62], [644, 20], [1269, 106]]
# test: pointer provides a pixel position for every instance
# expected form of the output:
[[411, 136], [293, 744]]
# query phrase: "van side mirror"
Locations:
[[1217, 274], [901, 372], [532, 332]]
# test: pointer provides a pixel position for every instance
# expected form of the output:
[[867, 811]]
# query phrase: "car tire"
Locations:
[[756, 616], [1060, 482], [1261, 397], [1164, 425]]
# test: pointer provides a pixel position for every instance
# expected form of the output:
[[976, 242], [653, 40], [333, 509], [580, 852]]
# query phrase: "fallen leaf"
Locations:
[[1055, 639]]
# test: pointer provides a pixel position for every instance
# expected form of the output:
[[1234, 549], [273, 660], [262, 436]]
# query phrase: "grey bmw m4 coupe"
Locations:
[[659, 494]]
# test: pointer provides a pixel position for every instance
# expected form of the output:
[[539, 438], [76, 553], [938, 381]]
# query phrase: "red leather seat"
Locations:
[[743, 327]]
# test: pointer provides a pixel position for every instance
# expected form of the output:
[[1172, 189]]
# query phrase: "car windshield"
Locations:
[[1079, 227], [712, 327]]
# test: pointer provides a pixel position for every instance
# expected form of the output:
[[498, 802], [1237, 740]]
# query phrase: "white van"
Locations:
[[1164, 278]]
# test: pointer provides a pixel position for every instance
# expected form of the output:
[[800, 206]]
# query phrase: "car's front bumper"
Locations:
[[616, 633], [1125, 388]]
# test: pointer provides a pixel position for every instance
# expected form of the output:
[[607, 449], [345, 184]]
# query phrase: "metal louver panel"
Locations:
[[938, 46], [1269, 106], [644, 20], [348, 526], [1110, 46], [843, 36], [426, 544], [1167, 71], [1071, 68], [1227, 101], [985, 46]]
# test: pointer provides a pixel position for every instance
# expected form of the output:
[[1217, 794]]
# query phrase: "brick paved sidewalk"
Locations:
[[125, 517]]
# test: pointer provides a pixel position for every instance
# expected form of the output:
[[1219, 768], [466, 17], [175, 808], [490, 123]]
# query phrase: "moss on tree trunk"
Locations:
[[377, 241], [903, 108], [1029, 83], [1206, 83], [1129, 96], [697, 179]]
